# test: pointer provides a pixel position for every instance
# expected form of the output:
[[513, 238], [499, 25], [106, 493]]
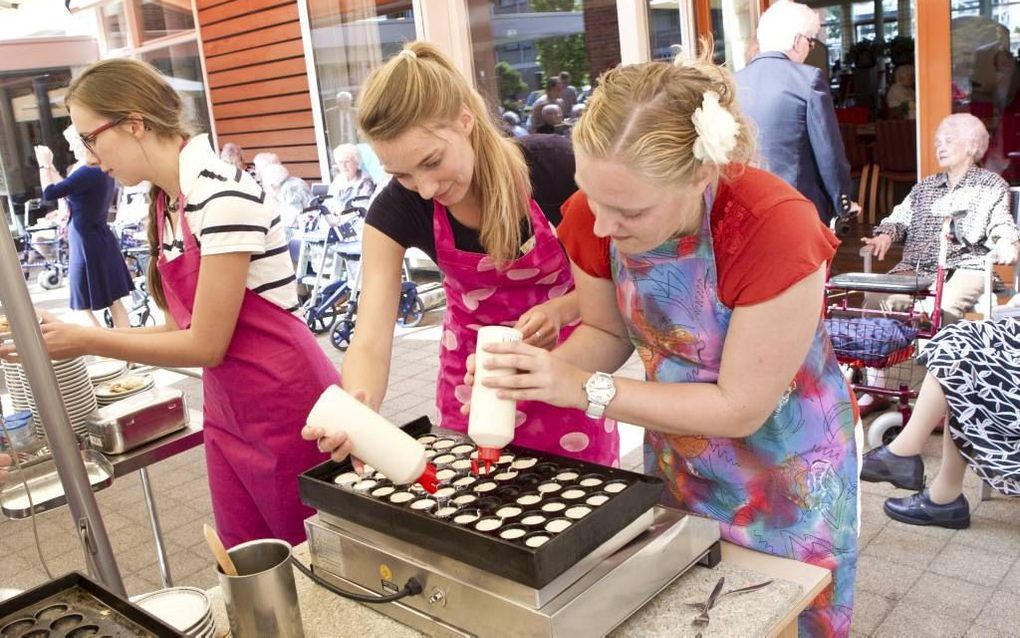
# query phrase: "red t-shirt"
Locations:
[[767, 237]]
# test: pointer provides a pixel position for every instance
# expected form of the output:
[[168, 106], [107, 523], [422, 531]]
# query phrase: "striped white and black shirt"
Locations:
[[228, 213]]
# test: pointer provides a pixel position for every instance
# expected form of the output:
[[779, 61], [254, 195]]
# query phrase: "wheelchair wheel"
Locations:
[[342, 334], [414, 317], [321, 324], [50, 279], [884, 429]]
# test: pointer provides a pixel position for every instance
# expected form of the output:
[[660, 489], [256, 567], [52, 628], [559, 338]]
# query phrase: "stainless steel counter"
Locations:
[[163, 448], [770, 612]]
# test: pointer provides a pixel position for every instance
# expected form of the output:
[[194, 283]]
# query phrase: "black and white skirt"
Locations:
[[978, 365]]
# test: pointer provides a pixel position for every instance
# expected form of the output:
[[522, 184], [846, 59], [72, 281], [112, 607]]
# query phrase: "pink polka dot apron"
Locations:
[[478, 294], [254, 406]]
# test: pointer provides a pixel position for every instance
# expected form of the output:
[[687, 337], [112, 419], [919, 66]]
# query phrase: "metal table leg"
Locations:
[[157, 533]]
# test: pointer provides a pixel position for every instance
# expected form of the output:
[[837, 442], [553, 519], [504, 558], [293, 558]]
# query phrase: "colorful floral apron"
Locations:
[[478, 294], [790, 489]]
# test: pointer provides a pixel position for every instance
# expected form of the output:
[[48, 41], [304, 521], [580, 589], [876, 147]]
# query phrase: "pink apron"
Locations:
[[477, 294], [255, 404]]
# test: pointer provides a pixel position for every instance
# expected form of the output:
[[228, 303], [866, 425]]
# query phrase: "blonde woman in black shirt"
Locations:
[[484, 208]]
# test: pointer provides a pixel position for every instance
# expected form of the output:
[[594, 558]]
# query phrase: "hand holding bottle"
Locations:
[[339, 416], [337, 445]]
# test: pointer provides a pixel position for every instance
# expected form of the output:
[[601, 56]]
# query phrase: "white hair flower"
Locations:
[[717, 130]]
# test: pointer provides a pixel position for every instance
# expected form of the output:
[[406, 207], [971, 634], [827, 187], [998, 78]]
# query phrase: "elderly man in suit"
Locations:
[[789, 101]]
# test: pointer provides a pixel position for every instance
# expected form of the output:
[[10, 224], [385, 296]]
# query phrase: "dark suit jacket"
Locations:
[[798, 135]]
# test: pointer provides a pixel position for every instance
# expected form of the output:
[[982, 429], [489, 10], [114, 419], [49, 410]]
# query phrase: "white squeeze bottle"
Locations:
[[491, 420], [374, 439]]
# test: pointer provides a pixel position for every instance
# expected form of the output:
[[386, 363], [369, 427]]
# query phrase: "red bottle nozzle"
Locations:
[[428, 479], [489, 456]]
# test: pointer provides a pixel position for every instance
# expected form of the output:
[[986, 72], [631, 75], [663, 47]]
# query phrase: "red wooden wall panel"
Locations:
[[258, 81]]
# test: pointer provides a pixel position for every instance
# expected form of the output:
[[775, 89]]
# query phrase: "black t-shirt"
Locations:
[[405, 217]]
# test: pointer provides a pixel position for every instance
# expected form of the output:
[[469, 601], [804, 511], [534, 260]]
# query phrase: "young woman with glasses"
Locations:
[[221, 272]]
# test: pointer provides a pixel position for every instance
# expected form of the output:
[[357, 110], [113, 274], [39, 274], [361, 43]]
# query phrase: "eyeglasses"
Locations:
[[812, 42], [89, 139]]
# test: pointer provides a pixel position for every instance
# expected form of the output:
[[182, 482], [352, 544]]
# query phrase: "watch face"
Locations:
[[600, 389]]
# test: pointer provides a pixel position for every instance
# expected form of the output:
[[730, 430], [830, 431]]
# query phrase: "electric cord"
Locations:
[[31, 502], [411, 588]]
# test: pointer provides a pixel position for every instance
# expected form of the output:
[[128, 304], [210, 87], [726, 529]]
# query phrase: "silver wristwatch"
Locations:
[[600, 389]]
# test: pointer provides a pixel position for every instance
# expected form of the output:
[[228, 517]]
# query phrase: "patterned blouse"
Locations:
[[917, 220]]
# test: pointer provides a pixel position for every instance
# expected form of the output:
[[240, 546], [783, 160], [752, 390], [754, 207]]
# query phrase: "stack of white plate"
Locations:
[[75, 389], [102, 370], [122, 387], [186, 609], [15, 386]]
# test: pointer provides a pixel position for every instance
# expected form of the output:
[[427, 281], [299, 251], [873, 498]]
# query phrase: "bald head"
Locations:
[[552, 114]]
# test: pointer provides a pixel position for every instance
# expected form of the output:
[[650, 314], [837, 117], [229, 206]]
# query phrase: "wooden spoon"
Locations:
[[219, 551]]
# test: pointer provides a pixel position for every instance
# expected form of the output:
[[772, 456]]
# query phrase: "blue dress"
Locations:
[[97, 274]]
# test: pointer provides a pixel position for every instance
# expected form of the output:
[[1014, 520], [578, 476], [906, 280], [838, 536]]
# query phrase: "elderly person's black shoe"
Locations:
[[918, 509], [902, 471]]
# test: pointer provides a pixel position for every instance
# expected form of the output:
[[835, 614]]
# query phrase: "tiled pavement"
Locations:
[[911, 581]]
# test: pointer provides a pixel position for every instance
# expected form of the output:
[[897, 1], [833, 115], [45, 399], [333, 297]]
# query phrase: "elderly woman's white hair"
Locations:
[[969, 130], [273, 176], [265, 159], [262, 161], [346, 150], [780, 25]]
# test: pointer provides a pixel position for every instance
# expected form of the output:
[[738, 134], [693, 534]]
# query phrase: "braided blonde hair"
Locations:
[[641, 116]]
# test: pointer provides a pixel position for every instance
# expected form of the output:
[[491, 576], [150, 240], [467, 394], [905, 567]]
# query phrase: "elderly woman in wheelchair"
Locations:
[[984, 227]]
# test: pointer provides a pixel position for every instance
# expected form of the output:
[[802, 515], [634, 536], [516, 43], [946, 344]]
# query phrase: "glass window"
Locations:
[[27, 127], [1005, 12], [738, 31], [160, 18], [114, 25], [664, 29], [349, 39], [181, 64], [832, 33], [986, 77], [521, 46], [732, 32]]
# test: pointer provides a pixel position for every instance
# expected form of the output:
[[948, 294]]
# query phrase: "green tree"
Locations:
[[561, 53], [511, 86]]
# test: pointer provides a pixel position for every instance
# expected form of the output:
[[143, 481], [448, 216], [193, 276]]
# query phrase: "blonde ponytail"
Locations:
[[421, 87]]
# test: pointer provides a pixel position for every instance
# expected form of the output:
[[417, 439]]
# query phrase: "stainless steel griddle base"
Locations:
[[591, 599]]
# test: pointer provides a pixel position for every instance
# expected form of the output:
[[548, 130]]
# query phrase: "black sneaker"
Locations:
[[918, 509], [880, 465]]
